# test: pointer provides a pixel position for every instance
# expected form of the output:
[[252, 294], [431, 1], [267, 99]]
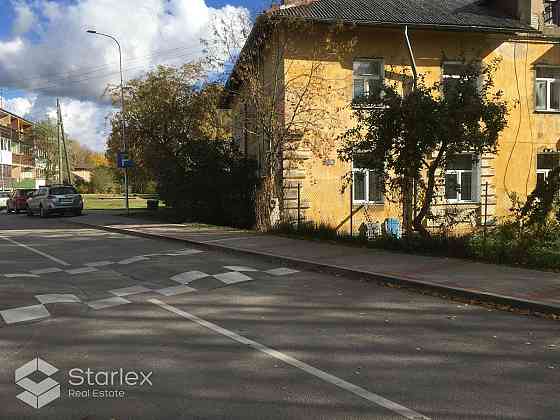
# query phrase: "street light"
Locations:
[[125, 149]]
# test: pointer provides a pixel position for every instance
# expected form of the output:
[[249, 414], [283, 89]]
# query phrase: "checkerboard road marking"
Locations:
[[184, 252], [46, 270], [99, 264], [25, 313], [128, 291], [189, 276], [282, 271], [175, 290], [57, 298], [239, 268], [82, 270], [232, 277], [107, 303], [133, 260]]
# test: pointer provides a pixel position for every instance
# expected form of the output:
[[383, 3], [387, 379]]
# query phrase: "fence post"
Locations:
[[298, 204], [351, 212]]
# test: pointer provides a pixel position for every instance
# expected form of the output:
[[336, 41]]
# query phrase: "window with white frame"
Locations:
[[367, 182], [461, 179], [547, 89], [451, 74], [368, 78], [546, 162]]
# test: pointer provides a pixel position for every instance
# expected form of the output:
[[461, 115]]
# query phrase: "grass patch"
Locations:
[[112, 202]]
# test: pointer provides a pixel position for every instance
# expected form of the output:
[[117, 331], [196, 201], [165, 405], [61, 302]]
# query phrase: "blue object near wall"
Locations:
[[393, 227]]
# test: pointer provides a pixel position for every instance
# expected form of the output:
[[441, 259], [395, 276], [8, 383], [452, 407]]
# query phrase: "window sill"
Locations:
[[369, 203], [462, 202], [544, 111]]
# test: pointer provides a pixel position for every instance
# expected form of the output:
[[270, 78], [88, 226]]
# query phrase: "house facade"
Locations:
[[316, 185], [19, 155]]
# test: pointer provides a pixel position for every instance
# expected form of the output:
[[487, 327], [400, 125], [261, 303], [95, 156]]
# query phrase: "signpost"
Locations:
[[124, 161]]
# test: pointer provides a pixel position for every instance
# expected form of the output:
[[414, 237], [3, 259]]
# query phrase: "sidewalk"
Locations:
[[533, 290]]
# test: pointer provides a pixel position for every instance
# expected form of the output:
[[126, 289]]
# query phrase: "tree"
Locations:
[[286, 101], [414, 136], [46, 146], [102, 180]]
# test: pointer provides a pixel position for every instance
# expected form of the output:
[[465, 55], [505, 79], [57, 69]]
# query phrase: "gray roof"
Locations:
[[474, 14]]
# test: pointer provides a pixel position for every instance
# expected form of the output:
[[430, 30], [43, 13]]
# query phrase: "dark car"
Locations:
[[18, 200]]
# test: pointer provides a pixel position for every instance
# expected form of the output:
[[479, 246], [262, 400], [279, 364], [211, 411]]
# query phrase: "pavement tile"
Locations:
[[232, 277], [107, 303], [25, 313], [132, 290], [175, 290], [57, 298]]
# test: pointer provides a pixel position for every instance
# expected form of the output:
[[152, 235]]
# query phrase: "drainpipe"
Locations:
[[411, 212], [411, 55]]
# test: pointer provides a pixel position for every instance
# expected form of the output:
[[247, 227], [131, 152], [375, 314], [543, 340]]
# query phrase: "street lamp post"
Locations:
[[125, 149]]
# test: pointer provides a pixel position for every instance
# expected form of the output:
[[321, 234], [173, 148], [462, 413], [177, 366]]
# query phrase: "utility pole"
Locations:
[[63, 142], [60, 180]]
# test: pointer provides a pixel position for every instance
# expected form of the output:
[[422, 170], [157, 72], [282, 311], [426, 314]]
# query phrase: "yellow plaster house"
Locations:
[[523, 34]]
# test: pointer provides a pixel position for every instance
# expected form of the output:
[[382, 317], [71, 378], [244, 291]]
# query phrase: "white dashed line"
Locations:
[[282, 271], [132, 290], [25, 313], [46, 271], [239, 268], [99, 264], [82, 270], [36, 251], [132, 260], [189, 276], [16, 275], [324, 376], [107, 303], [175, 290], [57, 298], [232, 277]]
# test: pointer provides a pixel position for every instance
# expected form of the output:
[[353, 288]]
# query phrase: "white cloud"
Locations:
[[62, 60]]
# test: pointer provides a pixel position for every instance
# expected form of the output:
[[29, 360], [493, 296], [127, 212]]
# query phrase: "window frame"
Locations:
[[548, 81], [366, 172], [381, 78], [546, 171], [475, 181]]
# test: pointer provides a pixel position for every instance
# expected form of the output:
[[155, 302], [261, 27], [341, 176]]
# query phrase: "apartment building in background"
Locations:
[[523, 34], [20, 158]]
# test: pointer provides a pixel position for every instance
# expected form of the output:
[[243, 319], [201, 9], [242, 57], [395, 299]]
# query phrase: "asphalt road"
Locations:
[[219, 336]]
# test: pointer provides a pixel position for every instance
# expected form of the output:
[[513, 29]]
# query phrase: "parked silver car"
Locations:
[[55, 199]]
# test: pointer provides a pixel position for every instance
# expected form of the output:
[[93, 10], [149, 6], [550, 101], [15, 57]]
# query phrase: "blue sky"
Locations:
[[45, 52]]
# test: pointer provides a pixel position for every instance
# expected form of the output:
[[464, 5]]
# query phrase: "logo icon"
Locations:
[[37, 394]]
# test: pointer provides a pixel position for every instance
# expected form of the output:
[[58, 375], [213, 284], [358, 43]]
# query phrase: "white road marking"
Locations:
[[107, 303], [36, 251], [46, 270], [232, 277], [189, 276], [175, 290], [239, 268], [127, 291], [99, 264], [16, 275], [282, 271], [185, 252], [237, 238], [132, 260], [82, 270], [57, 298], [318, 373], [25, 313]]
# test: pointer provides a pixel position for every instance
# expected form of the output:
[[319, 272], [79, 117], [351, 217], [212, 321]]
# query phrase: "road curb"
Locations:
[[506, 301]]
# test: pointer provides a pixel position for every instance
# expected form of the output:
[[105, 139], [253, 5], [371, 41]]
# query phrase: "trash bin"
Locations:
[[152, 204]]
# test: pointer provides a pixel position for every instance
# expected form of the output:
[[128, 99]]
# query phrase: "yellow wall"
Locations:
[[527, 132]]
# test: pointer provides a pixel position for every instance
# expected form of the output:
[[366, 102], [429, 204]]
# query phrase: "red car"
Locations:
[[18, 200]]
